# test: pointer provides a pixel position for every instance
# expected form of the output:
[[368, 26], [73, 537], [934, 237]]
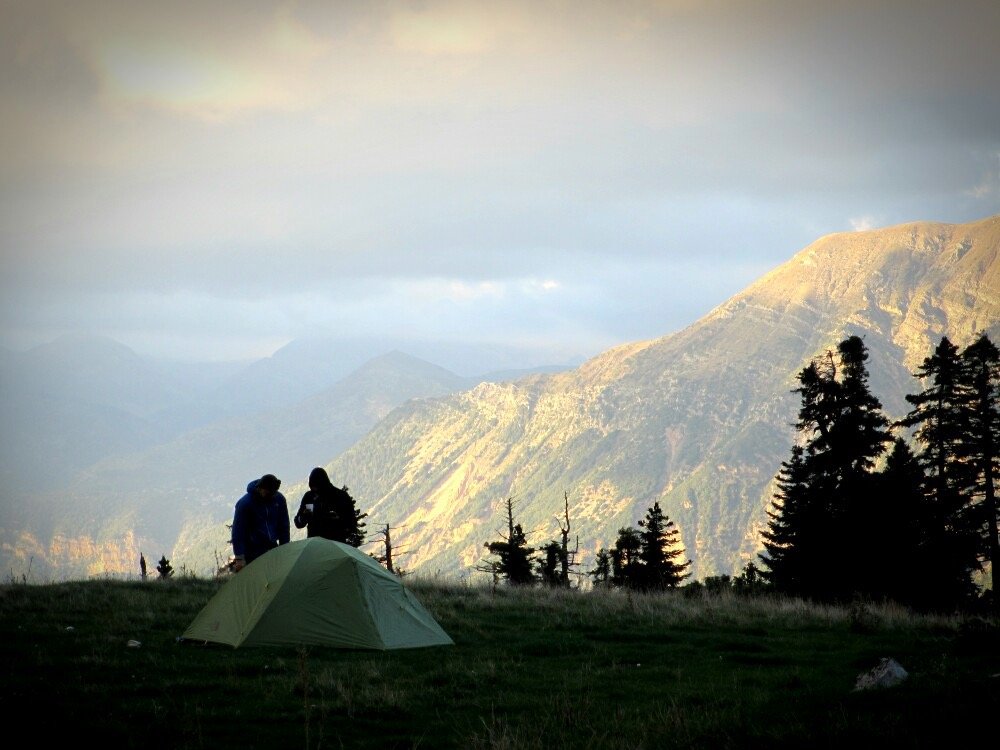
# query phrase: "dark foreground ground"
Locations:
[[530, 669]]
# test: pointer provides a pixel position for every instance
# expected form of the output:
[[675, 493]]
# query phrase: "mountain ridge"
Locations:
[[697, 420]]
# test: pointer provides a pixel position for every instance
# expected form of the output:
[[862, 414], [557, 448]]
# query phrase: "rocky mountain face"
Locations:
[[698, 420]]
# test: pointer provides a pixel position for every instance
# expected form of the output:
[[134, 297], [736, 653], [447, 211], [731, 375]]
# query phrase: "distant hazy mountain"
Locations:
[[71, 402], [309, 365], [288, 442], [178, 491], [79, 400], [699, 420]]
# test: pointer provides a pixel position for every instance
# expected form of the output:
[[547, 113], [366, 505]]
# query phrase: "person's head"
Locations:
[[318, 478], [267, 485]]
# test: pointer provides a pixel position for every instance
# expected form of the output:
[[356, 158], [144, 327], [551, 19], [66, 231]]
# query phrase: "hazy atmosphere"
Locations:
[[209, 181]]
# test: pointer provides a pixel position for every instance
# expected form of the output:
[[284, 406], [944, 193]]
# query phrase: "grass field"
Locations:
[[529, 669]]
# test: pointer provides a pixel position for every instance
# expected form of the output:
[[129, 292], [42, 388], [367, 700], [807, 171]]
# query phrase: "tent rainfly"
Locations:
[[316, 592]]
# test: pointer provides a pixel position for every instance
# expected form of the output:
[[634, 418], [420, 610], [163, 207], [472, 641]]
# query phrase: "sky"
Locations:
[[210, 180]]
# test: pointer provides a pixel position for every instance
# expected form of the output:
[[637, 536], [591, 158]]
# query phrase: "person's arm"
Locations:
[[302, 516], [239, 531], [283, 531]]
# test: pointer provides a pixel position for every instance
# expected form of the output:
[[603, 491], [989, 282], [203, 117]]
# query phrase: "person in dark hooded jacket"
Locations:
[[260, 521], [327, 511]]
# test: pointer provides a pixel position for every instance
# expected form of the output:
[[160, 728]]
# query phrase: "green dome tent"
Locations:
[[316, 592]]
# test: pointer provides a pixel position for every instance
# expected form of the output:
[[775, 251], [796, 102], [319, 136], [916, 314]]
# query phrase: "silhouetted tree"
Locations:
[[941, 417], [937, 415], [602, 569], [516, 561], [793, 537], [899, 535], [550, 567], [750, 581], [626, 567], [391, 551], [353, 524], [558, 558], [659, 550], [164, 567], [861, 433], [980, 385], [644, 558], [826, 489]]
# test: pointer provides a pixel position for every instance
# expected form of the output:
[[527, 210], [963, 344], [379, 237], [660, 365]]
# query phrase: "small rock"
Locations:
[[888, 673], [70, 628], [133, 644]]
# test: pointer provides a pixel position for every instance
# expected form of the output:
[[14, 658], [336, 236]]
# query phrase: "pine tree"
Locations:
[[825, 492], [902, 557], [659, 551], [861, 436], [550, 568], [516, 562], [801, 546], [789, 538], [937, 414], [750, 582], [602, 568], [164, 568], [626, 567], [941, 416], [862, 430], [354, 526], [980, 384]]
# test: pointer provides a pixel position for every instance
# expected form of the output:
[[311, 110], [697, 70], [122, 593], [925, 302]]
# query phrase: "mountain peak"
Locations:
[[912, 283], [84, 346]]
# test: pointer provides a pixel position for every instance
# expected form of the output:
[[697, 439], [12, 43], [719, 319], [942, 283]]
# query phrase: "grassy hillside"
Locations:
[[529, 669]]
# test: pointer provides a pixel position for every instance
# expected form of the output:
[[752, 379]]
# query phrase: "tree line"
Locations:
[[644, 559], [859, 512]]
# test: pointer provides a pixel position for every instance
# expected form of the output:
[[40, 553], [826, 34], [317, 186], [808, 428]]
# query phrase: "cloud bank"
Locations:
[[209, 181]]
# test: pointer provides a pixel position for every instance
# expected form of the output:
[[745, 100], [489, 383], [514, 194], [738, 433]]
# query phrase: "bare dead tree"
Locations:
[[391, 552], [491, 568], [388, 550], [568, 557]]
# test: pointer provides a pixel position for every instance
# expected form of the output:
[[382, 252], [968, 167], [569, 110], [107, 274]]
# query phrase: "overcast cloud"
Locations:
[[210, 180]]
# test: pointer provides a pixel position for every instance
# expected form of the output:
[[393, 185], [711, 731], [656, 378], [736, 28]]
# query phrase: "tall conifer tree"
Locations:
[[981, 387], [901, 542], [825, 491], [659, 550], [940, 415], [790, 537]]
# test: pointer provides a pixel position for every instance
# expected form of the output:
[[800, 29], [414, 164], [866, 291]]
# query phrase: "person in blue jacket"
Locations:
[[260, 521]]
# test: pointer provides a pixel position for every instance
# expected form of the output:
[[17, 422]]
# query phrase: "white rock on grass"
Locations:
[[888, 673]]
